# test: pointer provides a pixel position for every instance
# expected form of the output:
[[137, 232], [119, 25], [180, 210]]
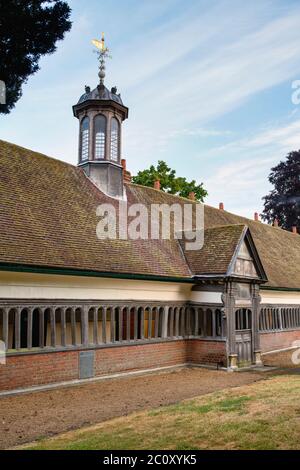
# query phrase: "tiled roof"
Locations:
[[48, 219], [219, 247]]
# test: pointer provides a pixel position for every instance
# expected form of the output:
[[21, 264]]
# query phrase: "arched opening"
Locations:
[[100, 136], [103, 327], [125, 324], [36, 343], [243, 319], [201, 322], [160, 322], [114, 140], [11, 329], [24, 328], [171, 325], [140, 323], [209, 323], [193, 322], [58, 328], [132, 314], [182, 322], [92, 326], [68, 327], [78, 323], [116, 325], [84, 139]]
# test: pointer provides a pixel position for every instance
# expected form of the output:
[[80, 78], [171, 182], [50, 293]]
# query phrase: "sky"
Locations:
[[208, 85]]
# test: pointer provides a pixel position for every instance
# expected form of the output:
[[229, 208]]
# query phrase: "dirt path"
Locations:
[[25, 418]]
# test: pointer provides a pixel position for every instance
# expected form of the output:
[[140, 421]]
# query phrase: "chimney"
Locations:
[[126, 174], [294, 230], [157, 185], [221, 206], [276, 223], [123, 163], [256, 218], [192, 196]]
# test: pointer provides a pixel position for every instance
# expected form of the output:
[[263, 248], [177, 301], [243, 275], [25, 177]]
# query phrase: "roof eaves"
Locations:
[[90, 273]]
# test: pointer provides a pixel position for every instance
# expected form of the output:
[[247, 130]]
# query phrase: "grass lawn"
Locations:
[[263, 415]]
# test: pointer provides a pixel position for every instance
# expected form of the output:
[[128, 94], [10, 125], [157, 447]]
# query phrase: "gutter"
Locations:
[[281, 289], [88, 273]]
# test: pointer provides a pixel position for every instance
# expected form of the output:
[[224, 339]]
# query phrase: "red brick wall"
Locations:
[[30, 370], [279, 340], [206, 352], [40, 369], [144, 356], [288, 358]]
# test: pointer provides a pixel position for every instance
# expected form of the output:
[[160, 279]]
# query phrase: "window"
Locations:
[[100, 133], [85, 135], [243, 319], [114, 140]]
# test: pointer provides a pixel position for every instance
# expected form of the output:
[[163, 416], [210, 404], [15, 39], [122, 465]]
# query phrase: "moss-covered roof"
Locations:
[[216, 255], [48, 219]]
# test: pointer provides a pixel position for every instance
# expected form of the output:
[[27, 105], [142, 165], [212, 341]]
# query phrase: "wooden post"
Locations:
[[188, 321], [63, 327], [196, 332], [5, 327], [112, 325], [171, 321], [256, 300], [85, 325], [73, 326], [17, 328], [149, 323], [135, 324], [204, 323], [177, 313], [142, 323], [165, 322], [120, 324], [156, 325], [128, 323], [95, 324], [53, 328], [213, 312], [182, 321], [29, 328], [104, 325]]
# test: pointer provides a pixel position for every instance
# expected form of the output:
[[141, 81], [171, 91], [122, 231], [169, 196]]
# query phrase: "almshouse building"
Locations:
[[73, 306]]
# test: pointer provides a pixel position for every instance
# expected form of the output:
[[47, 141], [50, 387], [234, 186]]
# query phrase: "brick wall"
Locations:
[[40, 369], [279, 340], [288, 358], [206, 352]]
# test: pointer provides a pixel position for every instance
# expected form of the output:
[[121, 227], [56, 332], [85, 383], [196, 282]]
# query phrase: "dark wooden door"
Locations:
[[243, 337]]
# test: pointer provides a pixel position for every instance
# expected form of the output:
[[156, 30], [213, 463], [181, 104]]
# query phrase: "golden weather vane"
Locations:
[[100, 45], [103, 53]]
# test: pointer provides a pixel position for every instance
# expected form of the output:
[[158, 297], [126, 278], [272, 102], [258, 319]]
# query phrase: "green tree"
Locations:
[[283, 202], [169, 182], [29, 29]]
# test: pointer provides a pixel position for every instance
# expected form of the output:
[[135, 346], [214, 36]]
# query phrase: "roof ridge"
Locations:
[[168, 194], [213, 208], [226, 226]]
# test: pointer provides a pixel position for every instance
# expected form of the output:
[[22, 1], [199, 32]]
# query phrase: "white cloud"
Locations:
[[243, 180]]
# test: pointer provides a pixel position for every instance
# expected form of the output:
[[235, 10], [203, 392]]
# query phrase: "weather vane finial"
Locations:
[[103, 53]]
